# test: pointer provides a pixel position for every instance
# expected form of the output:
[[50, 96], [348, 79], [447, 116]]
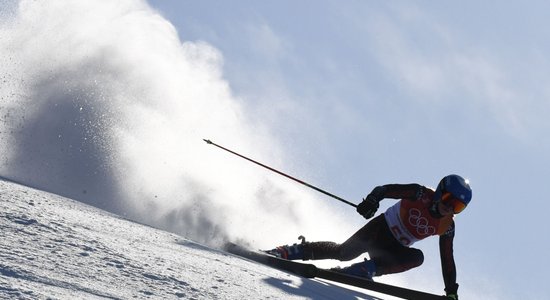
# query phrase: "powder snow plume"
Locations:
[[102, 102]]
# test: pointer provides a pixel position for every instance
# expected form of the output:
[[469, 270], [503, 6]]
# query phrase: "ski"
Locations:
[[377, 286], [302, 269], [311, 271]]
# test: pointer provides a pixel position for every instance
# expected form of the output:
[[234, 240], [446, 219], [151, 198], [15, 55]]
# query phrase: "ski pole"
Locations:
[[281, 173]]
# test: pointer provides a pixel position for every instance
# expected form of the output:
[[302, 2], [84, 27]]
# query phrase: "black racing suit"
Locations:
[[388, 254]]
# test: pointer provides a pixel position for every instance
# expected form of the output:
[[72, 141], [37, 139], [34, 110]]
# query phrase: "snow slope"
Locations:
[[54, 247]]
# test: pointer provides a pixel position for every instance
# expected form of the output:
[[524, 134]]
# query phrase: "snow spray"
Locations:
[[103, 103]]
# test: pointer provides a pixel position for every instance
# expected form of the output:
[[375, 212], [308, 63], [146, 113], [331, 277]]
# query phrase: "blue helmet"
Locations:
[[455, 185]]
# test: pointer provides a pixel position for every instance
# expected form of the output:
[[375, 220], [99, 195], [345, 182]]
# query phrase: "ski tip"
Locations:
[[207, 141]]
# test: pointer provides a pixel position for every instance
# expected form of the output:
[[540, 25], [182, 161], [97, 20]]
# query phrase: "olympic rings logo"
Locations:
[[420, 223]]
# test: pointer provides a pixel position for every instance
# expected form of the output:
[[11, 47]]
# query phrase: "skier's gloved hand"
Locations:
[[370, 204], [368, 207], [452, 296], [451, 291]]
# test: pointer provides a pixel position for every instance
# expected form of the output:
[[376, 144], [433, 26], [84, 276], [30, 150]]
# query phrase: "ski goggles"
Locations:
[[453, 202]]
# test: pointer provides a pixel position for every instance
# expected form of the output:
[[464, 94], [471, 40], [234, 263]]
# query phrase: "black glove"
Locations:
[[451, 291], [452, 296], [370, 204]]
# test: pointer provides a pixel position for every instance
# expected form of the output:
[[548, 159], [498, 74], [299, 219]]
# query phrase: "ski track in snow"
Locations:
[[53, 247]]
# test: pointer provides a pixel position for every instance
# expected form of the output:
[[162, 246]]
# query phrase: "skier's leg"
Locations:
[[359, 243], [397, 260], [390, 256]]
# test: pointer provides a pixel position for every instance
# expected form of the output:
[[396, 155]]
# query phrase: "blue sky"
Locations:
[[363, 93], [107, 103]]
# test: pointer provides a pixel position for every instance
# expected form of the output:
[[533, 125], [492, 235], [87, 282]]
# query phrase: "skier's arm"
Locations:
[[370, 204], [448, 266], [411, 191]]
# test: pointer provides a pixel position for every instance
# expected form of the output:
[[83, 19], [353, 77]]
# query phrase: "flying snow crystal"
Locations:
[[102, 102]]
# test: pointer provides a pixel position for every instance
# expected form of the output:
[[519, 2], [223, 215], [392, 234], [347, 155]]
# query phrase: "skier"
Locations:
[[420, 213]]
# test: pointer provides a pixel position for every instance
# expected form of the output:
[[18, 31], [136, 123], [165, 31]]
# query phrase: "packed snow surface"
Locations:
[[56, 248]]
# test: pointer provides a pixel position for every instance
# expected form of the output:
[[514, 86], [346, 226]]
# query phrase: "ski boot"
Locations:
[[365, 269], [289, 252]]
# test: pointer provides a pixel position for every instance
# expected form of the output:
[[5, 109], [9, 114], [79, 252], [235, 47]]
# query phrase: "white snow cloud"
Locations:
[[104, 104]]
